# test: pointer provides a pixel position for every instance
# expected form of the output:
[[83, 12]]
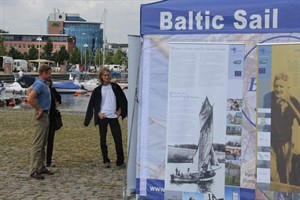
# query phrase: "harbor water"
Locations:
[[70, 102], [74, 103]]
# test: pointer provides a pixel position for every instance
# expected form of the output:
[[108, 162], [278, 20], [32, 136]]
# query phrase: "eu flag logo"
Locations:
[[237, 73], [262, 70]]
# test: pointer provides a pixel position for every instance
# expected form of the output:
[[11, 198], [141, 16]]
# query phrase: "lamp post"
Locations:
[[81, 48], [39, 39], [85, 46]]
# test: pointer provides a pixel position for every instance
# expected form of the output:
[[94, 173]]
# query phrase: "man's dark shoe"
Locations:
[[46, 171], [37, 176]]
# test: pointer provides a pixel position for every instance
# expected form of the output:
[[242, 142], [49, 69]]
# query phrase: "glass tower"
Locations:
[[88, 35]]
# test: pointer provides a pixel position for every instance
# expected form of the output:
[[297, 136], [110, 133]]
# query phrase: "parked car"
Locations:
[[115, 68]]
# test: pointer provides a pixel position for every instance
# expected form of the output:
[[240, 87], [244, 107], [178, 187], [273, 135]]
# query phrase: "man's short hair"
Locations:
[[44, 68], [281, 76]]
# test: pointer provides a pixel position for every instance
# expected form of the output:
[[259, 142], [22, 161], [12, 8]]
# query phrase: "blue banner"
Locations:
[[220, 16]]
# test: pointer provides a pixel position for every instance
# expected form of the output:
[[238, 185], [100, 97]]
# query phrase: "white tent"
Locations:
[[247, 22]]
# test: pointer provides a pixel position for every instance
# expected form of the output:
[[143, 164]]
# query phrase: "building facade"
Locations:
[[88, 34], [23, 42]]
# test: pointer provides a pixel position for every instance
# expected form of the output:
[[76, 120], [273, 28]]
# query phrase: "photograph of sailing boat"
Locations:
[[198, 167]]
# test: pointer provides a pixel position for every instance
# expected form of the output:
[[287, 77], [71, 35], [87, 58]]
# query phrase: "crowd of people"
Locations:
[[107, 103]]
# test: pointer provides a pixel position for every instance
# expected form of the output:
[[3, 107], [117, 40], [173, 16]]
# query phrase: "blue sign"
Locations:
[[220, 16]]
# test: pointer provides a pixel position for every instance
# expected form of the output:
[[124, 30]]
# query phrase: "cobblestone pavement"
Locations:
[[80, 173], [90, 181]]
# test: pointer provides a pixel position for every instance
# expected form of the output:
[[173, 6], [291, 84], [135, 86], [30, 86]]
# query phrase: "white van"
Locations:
[[115, 68], [20, 64]]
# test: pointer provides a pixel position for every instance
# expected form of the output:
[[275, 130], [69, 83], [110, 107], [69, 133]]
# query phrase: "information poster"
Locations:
[[204, 120], [278, 120]]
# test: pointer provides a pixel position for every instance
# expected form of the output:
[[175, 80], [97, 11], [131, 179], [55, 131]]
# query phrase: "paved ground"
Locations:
[[80, 174], [77, 182]]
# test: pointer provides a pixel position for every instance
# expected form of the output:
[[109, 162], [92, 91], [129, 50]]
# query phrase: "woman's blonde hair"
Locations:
[[102, 71]]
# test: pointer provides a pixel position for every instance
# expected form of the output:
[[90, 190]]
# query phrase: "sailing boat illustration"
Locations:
[[207, 161]]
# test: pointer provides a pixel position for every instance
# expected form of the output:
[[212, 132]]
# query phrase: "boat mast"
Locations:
[[103, 21]]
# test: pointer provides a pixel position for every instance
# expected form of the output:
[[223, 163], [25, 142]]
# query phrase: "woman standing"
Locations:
[[107, 103], [55, 100]]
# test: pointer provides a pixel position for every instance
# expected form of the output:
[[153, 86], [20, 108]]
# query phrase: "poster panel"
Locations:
[[153, 97], [250, 23], [204, 117], [278, 118]]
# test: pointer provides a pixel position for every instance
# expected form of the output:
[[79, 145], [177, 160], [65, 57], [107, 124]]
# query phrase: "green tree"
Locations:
[[117, 57], [109, 57], [33, 53], [15, 54], [3, 31], [86, 57], [75, 56], [25, 56], [2, 47], [48, 48], [98, 59], [62, 55], [124, 59]]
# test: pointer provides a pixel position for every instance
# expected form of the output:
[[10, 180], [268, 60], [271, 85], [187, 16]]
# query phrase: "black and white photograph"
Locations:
[[234, 130], [234, 104], [201, 164], [234, 118]]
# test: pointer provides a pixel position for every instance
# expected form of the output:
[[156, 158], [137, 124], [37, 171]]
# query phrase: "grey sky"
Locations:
[[30, 16]]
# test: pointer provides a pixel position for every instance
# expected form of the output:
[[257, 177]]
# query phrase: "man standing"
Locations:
[[107, 103], [285, 109], [40, 99]]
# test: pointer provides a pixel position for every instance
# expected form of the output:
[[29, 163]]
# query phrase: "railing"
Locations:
[[10, 78]]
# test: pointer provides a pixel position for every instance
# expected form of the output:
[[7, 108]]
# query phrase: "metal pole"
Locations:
[[85, 46], [99, 58], [104, 35], [39, 39], [39, 53], [85, 60], [103, 59], [81, 56], [81, 48]]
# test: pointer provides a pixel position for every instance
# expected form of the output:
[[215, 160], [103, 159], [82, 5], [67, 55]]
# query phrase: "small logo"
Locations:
[[262, 62], [233, 49], [262, 51], [237, 62], [56, 25], [262, 70], [238, 73]]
